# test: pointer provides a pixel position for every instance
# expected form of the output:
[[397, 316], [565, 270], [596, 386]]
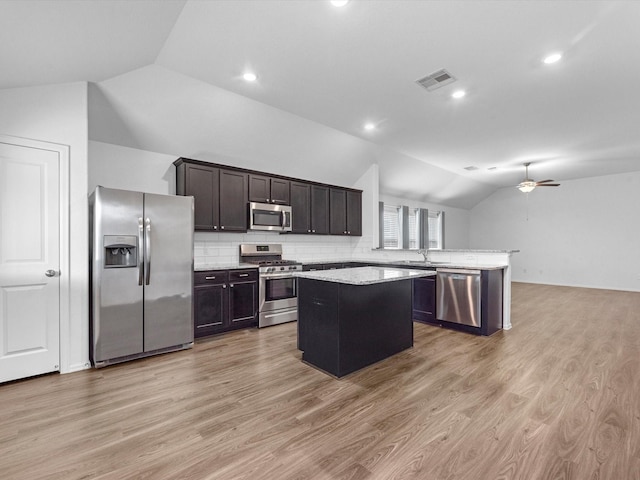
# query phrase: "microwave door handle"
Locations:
[[282, 219]]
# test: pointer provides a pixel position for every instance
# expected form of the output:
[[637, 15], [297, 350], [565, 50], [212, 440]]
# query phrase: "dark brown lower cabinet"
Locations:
[[224, 300], [243, 298], [424, 299]]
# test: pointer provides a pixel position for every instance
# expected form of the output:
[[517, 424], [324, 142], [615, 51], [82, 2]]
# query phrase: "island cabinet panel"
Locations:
[[424, 299], [300, 207], [343, 328], [319, 209], [265, 189], [318, 323]]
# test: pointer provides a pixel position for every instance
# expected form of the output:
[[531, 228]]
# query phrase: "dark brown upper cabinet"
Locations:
[[354, 213], [345, 208], [203, 183], [337, 212], [267, 189], [233, 201], [222, 193], [319, 209], [220, 196], [300, 207]]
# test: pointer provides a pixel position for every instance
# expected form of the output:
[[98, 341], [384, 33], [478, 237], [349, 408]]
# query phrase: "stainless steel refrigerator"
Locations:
[[141, 274]]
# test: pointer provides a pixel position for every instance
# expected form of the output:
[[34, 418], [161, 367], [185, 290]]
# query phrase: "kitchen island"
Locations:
[[351, 318]]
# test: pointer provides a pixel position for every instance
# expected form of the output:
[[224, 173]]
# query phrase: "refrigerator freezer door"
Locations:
[[117, 298], [168, 316]]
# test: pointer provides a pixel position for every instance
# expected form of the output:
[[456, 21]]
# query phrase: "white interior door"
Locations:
[[29, 261]]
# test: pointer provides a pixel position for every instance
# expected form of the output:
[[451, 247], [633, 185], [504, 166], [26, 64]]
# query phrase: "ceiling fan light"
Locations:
[[527, 187]]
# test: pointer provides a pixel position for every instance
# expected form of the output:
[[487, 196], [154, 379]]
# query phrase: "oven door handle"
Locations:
[[271, 276]]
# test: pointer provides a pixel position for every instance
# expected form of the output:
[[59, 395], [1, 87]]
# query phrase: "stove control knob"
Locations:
[[281, 268]]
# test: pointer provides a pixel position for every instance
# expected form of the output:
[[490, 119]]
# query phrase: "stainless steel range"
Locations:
[[278, 292]]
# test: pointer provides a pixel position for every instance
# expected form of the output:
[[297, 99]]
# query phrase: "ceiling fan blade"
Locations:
[[548, 185], [545, 181]]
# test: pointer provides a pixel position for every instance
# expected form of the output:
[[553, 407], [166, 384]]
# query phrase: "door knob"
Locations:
[[50, 273]]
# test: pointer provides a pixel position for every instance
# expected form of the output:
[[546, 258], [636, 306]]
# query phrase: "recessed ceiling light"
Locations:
[[250, 77], [553, 58], [369, 126], [339, 3], [458, 94]]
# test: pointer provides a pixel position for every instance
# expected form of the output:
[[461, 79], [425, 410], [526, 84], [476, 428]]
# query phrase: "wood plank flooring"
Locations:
[[557, 397]]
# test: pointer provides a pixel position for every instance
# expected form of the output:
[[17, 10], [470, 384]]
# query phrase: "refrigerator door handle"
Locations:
[[147, 251], [140, 243]]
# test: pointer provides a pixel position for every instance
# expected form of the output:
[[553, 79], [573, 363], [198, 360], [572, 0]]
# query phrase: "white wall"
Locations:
[[126, 168], [58, 114], [583, 233]]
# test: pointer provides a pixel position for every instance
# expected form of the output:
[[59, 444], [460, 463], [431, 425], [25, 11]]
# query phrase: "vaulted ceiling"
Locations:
[[344, 67]]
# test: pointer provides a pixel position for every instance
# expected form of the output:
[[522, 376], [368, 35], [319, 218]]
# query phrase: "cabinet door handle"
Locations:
[[243, 275], [215, 227], [308, 231], [209, 278], [221, 227], [224, 286], [231, 285]]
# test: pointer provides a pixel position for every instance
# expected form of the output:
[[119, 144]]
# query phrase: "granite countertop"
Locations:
[[223, 266], [365, 275], [409, 264], [467, 250]]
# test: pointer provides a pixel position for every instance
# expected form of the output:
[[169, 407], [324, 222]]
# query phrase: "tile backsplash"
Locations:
[[223, 248]]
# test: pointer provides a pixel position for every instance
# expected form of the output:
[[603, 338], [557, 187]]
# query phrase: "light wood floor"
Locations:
[[557, 397]]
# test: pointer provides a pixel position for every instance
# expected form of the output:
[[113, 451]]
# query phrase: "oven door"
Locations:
[[278, 291]]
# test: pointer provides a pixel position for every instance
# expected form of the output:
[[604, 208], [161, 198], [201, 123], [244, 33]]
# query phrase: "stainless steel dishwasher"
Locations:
[[458, 296]]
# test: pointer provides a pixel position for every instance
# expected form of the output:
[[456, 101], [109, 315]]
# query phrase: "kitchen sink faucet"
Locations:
[[425, 253]]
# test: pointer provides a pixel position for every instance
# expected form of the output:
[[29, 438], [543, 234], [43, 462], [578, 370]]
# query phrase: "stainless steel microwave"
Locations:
[[264, 216]]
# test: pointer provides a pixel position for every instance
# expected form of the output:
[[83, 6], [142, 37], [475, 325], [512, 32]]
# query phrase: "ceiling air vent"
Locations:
[[436, 80]]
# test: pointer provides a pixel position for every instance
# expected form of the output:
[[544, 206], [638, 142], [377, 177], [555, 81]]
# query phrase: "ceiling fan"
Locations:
[[527, 185]]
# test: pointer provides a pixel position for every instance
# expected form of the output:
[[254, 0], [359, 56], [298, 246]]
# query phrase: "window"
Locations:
[[391, 228], [414, 223], [435, 229], [402, 227]]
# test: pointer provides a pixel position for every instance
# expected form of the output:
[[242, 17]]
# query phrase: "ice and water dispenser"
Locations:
[[120, 251]]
